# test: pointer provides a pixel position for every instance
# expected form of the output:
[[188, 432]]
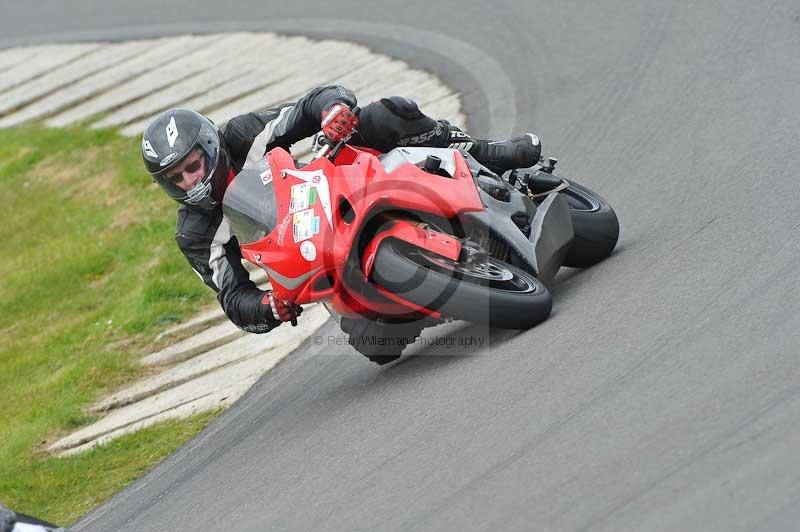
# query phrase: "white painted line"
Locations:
[[154, 75], [199, 343], [227, 354], [47, 58], [176, 93], [245, 347], [247, 79], [330, 65], [449, 106], [98, 60], [15, 56], [417, 86], [218, 398], [202, 321], [252, 77], [165, 51], [381, 72], [208, 53]]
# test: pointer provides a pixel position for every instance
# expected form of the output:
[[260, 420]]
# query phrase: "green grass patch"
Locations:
[[63, 489], [90, 273]]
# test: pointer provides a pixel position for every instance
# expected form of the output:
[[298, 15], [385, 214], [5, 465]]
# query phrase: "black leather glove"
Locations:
[[282, 310]]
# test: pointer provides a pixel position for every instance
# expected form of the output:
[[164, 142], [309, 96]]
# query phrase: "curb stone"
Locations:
[[201, 342], [214, 381]]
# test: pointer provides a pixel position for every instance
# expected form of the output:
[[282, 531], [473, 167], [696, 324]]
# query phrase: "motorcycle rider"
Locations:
[[194, 161]]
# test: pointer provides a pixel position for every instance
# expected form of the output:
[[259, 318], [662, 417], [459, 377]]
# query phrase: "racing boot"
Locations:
[[503, 155], [499, 156]]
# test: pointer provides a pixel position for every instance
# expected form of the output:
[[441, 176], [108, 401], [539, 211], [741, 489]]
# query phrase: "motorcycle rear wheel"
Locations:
[[489, 292], [595, 225]]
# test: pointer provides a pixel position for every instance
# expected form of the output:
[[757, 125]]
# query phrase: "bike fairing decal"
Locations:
[[282, 228], [318, 181], [289, 282], [308, 250], [302, 197], [304, 225], [266, 175]]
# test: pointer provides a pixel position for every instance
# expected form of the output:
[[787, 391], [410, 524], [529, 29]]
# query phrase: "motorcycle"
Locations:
[[415, 235]]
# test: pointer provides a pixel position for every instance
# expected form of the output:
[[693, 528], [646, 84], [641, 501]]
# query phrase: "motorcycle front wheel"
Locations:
[[488, 291]]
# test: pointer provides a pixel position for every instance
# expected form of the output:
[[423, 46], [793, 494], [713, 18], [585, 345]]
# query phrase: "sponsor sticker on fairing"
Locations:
[[299, 197], [266, 176], [308, 250], [282, 228], [303, 225], [264, 171], [319, 182]]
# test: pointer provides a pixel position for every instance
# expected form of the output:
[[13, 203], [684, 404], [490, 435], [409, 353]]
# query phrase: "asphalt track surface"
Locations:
[[664, 391]]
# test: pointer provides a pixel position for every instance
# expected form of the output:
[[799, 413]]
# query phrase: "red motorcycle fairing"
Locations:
[[322, 208]]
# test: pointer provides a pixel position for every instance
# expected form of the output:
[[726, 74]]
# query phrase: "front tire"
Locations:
[[490, 292], [595, 225]]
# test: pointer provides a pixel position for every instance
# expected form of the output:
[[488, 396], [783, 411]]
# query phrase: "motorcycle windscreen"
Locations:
[[250, 205]]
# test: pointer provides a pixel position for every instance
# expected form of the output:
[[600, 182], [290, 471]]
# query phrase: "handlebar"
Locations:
[[323, 152], [328, 149]]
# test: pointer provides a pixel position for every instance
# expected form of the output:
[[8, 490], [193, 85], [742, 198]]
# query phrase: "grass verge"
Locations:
[[63, 489], [90, 274]]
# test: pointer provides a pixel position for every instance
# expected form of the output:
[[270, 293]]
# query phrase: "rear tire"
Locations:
[[595, 225], [490, 292]]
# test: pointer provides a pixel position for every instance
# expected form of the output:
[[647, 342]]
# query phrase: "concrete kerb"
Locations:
[[215, 380], [202, 321], [211, 317], [244, 347], [99, 82], [217, 362], [201, 342]]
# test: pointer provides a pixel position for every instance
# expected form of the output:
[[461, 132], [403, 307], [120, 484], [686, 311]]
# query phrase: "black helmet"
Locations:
[[173, 135]]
